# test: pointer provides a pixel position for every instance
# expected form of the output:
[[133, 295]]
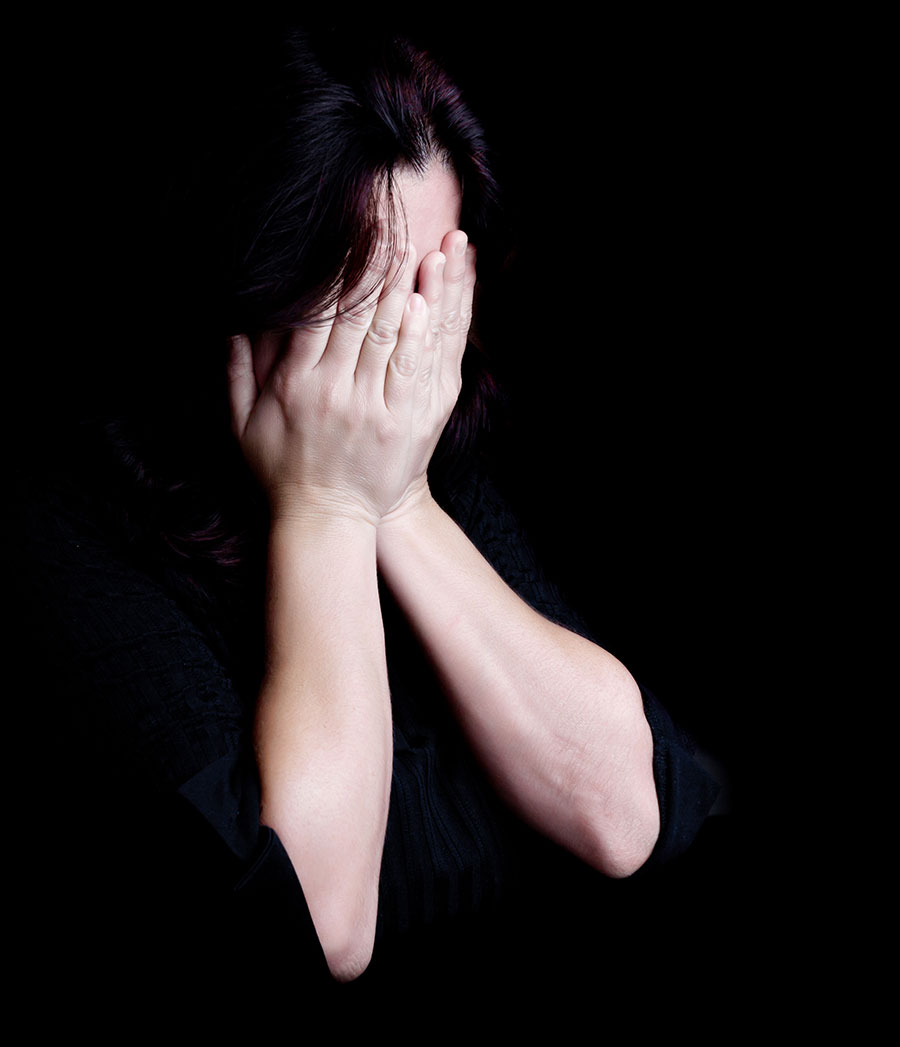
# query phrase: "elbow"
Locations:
[[347, 959], [622, 821], [621, 851], [347, 936], [343, 906]]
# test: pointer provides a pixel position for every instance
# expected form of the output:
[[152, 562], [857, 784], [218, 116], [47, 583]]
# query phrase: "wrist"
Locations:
[[415, 511], [295, 508], [321, 582], [415, 531], [319, 539]]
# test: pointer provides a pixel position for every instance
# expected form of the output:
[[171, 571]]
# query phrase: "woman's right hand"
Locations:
[[331, 430]]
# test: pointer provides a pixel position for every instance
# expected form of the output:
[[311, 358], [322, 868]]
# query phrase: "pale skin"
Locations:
[[339, 421]]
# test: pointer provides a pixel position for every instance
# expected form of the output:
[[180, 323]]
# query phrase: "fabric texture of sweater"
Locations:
[[149, 793]]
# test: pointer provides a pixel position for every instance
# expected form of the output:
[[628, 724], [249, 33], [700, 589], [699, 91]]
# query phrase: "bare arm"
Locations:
[[324, 417], [323, 726], [556, 720]]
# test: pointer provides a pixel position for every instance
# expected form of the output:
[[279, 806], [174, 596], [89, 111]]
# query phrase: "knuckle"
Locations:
[[324, 403], [450, 322], [286, 386], [405, 364], [327, 400], [382, 333], [357, 316], [385, 430]]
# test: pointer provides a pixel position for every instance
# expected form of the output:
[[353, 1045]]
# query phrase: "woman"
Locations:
[[329, 700]]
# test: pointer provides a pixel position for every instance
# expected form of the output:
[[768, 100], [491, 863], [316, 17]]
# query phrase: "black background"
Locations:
[[645, 163], [635, 338], [642, 160]]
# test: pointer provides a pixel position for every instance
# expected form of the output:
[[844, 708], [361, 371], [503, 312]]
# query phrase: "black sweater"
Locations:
[[149, 840]]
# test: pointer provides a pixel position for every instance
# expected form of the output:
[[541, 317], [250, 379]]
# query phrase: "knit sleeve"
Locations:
[[685, 789], [146, 799]]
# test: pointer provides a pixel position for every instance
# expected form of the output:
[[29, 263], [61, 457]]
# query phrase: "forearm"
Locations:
[[557, 721], [341, 417], [323, 726]]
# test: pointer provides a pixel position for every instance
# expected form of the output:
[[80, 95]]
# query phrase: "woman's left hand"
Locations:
[[446, 280]]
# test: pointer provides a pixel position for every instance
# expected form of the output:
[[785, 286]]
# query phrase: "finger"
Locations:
[[355, 312], [406, 359], [454, 247], [345, 327], [303, 347], [469, 286], [348, 327], [266, 351], [431, 287], [242, 388], [384, 330], [465, 313]]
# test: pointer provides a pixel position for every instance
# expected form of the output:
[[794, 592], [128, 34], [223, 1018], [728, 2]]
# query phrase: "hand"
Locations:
[[351, 409], [447, 282], [331, 431]]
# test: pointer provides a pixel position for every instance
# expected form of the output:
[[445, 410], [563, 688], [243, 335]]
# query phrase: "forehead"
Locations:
[[431, 202]]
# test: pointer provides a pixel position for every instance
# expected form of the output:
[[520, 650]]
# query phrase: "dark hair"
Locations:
[[272, 152], [284, 214], [312, 149]]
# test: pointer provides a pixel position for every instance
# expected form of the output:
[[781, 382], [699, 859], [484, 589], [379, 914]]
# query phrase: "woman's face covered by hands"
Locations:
[[343, 415], [430, 204]]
